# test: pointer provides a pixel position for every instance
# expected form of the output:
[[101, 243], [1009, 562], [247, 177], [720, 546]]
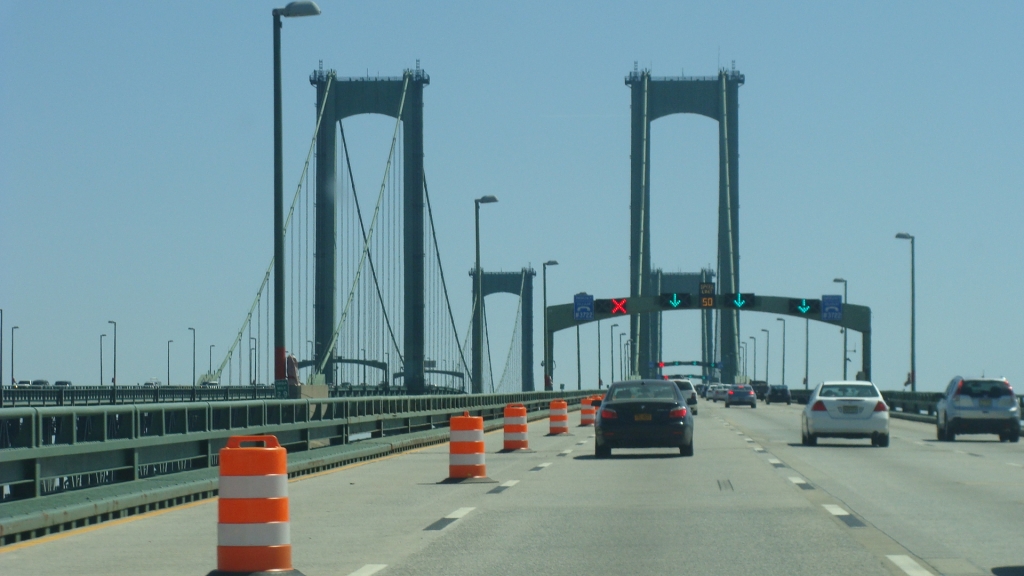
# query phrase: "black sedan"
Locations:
[[644, 414], [778, 394]]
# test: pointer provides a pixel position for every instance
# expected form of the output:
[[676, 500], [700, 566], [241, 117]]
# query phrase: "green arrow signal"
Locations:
[[675, 301], [739, 301], [804, 307]]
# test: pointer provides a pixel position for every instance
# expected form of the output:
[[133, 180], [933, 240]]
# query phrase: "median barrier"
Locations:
[[253, 529]]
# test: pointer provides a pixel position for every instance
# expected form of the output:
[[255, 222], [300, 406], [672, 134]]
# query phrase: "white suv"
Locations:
[[979, 406]]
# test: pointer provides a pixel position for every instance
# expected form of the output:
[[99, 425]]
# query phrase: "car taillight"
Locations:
[[819, 406], [750, 392], [609, 414], [677, 413], [881, 407], [730, 392]]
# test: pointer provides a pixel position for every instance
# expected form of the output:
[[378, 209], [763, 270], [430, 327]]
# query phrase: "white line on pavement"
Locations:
[[580, 443], [509, 484], [835, 510], [369, 569], [459, 513], [749, 439], [797, 480], [758, 448], [774, 461], [1015, 464], [907, 564], [565, 452], [544, 465]]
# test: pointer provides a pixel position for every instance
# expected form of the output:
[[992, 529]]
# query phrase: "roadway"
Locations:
[[738, 506]]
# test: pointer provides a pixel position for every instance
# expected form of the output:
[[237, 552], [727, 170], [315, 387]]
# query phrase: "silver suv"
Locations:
[[980, 406]]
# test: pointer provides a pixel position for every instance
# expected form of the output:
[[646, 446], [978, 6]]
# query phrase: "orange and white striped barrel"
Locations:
[[466, 455], [559, 417], [253, 532], [515, 428], [586, 412]]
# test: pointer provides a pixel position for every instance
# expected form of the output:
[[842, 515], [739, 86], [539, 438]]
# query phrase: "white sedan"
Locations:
[[845, 410]]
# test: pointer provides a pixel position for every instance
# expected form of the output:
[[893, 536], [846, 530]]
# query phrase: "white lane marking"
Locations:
[[565, 452], [1015, 464], [835, 510], [797, 480], [774, 461], [920, 443], [369, 569], [749, 439], [459, 513], [544, 465], [907, 564], [740, 433], [758, 448], [959, 451], [580, 443], [509, 484]]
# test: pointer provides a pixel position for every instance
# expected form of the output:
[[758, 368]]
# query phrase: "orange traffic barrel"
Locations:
[[515, 428], [466, 455], [253, 532], [558, 412], [586, 412]]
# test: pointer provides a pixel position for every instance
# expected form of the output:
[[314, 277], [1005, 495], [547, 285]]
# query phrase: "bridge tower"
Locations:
[[376, 95], [521, 284], [651, 98]]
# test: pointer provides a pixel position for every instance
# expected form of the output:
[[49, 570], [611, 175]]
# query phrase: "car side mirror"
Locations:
[[691, 401]]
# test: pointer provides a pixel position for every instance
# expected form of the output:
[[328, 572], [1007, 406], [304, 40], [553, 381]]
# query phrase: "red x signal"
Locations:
[[619, 306]]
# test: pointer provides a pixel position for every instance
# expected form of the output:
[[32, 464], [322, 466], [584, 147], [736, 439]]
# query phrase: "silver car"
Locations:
[[978, 406], [740, 394]]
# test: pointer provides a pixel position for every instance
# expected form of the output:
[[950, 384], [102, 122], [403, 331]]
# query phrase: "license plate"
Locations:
[[985, 403], [851, 409], [642, 417]]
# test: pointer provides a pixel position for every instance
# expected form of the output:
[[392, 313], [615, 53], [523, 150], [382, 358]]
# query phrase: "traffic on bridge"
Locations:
[[611, 389]]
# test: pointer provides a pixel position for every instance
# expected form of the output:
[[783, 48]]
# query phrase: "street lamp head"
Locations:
[[840, 280], [765, 330], [299, 8], [904, 236], [487, 199], [783, 320], [551, 263]]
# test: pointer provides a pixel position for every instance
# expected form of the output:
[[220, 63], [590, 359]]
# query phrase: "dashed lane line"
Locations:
[[1015, 464], [540, 467], [908, 565], [449, 519], [503, 486], [565, 452], [369, 569], [758, 448], [841, 513], [776, 462], [801, 483]]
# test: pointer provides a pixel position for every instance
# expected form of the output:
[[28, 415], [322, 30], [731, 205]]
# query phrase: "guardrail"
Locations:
[[50, 450], [101, 395]]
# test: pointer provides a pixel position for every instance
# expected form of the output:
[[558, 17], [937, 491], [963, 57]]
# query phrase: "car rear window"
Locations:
[[685, 386], [741, 388], [985, 389], [643, 390], [848, 391]]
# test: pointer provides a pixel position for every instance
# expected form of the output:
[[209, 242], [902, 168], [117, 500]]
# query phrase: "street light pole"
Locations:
[[548, 372], [599, 355], [253, 374], [301, 8], [622, 358], [113, 388], [102, 336], [611, 350], [844, 283], [169, 362], [478, 302], [743, 358], [913, 335], [783, 320], [807, 350], [755, 356], [13, 381], [210, 370], [193, 330], [767, 350], [1, 357]]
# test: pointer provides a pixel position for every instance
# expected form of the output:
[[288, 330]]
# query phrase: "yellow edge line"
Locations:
[[154, 513]]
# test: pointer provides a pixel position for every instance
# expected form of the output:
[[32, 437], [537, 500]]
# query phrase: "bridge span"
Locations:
[[752, 500]]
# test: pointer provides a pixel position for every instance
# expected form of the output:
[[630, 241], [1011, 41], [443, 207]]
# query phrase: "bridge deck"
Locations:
[[953, 508]]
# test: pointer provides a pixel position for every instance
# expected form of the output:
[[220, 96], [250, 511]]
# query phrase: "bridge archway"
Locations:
[[517, 283], [655, 97]]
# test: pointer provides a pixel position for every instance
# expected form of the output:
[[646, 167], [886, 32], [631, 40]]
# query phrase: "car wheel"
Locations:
[[602, 451], [753, 405], [694, 411], [767, 401], [950, 435], [788, 403], [726, 404], [1015, 436], [883, 441], [812, 440], [686, 450], [939, 435]]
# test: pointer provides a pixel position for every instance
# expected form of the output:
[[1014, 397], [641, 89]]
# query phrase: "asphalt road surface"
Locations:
[[751, 501]]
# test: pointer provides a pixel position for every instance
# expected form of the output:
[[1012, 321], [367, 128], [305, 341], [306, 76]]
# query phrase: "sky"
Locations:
[[136, 175]]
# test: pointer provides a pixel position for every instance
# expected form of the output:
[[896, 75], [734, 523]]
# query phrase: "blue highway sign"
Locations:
[[832, 308], [583, 307]]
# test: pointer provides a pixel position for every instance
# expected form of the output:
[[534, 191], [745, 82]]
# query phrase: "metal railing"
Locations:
[[100, 395], [50, 450]]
